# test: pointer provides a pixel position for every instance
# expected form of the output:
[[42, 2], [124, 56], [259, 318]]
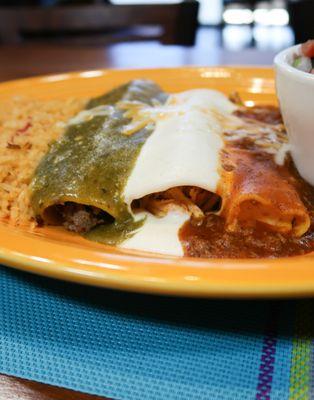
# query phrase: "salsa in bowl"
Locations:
[[295, 91], [304, 57]]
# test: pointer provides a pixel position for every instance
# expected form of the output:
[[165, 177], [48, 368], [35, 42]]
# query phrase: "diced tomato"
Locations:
[[23, 130], [20, 132], [308, 48]]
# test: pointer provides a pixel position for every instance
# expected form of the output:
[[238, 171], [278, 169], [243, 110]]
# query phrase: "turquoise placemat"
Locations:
[[135, 347]]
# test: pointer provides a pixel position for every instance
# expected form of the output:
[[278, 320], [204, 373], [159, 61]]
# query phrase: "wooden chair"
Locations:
[[179, 21]]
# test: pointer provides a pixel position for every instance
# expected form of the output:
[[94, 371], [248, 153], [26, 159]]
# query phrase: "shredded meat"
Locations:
[[194, 199]]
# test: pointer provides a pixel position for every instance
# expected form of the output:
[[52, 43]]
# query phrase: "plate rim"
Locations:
[[247, 285]]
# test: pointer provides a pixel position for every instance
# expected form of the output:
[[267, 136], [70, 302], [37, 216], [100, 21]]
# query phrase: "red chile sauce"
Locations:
[[211, 240]]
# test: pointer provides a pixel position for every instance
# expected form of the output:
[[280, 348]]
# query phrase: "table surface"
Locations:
[[30, 60], [38, 59]]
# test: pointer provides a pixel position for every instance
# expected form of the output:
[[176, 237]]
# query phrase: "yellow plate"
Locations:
[[56, 253]]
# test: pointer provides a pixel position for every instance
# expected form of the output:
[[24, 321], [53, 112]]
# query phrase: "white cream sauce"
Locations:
[[159, 235]]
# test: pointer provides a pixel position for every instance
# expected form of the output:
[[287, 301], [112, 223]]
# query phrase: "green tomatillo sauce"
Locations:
[[90, 164]]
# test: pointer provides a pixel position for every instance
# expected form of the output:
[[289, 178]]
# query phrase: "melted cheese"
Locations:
[[86, 115], [184, 148]]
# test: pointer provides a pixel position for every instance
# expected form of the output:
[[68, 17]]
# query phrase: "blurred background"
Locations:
[[50, 36]]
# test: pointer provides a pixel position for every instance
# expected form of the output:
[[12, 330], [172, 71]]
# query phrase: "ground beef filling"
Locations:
[[80, 218]]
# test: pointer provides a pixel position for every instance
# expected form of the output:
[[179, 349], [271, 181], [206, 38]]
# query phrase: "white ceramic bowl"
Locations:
[[295, 90]]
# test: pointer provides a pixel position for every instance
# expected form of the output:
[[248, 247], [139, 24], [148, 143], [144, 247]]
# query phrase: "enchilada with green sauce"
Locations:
[[81, 179]]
